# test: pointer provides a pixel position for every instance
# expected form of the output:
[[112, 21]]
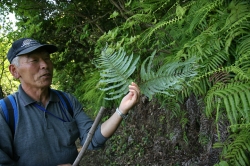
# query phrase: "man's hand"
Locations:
[[130, 99]]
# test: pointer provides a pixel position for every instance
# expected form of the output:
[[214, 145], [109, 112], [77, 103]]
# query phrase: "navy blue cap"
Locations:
[[26, 45]]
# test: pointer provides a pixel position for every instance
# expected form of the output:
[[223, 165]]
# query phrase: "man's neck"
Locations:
[[41, 95]]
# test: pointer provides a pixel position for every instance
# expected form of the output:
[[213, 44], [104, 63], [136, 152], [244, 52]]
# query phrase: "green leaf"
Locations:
[[115, 70]]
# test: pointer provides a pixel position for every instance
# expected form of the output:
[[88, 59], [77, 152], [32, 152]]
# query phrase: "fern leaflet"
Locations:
[[115, 70], [168, 77]]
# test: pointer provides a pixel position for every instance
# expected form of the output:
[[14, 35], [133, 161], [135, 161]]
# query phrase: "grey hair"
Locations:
[[15, 61]]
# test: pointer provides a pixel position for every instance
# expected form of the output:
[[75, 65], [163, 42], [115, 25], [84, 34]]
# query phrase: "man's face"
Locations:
[[35, 69]]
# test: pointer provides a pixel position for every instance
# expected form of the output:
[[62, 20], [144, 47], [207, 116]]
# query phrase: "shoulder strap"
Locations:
[[9, 108], [65, 101]]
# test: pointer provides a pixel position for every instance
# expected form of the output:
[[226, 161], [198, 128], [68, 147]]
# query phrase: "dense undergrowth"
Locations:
[[155, 135]]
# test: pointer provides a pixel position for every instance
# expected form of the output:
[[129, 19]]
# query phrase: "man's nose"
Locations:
[[43, 63]]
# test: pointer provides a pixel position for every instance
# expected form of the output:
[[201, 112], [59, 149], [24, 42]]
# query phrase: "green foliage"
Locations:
[[90, 89], [168, 76], [115, 69], [222, 163], [7, 82], [236, 150], [235, 97]]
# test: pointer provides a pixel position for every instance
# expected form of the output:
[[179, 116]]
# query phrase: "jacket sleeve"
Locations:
[[98, 140], [6, 149], [84, 123]]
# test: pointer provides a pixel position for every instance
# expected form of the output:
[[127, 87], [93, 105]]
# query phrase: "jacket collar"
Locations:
[[27, 100]]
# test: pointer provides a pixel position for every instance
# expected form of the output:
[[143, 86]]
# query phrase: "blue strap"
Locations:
[[9, 108], [13, 103], [10, 111], [5, 110], [44, 110], [65, 101], [61, 98], [70, 104]]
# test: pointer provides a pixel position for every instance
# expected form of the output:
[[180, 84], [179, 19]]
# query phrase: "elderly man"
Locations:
[[45, 131]]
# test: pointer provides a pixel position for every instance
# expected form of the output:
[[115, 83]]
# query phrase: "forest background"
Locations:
[[190, 58]]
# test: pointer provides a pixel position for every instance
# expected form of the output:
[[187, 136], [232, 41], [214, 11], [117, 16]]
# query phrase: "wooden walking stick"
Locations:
[[89, 137]]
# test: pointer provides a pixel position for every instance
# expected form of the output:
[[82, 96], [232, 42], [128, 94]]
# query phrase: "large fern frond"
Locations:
[[149, 32], [243, 55], [168, 77], [200, 12], [208, 46], [201, 84], [115, 70], [138, 19], [243, 46], [236, 149], [235, 98], [237, 22]]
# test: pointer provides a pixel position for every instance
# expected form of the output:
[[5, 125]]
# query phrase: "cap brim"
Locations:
[[47, 47]]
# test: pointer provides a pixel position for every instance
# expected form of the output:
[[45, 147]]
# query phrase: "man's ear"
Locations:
[[13, 70]]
